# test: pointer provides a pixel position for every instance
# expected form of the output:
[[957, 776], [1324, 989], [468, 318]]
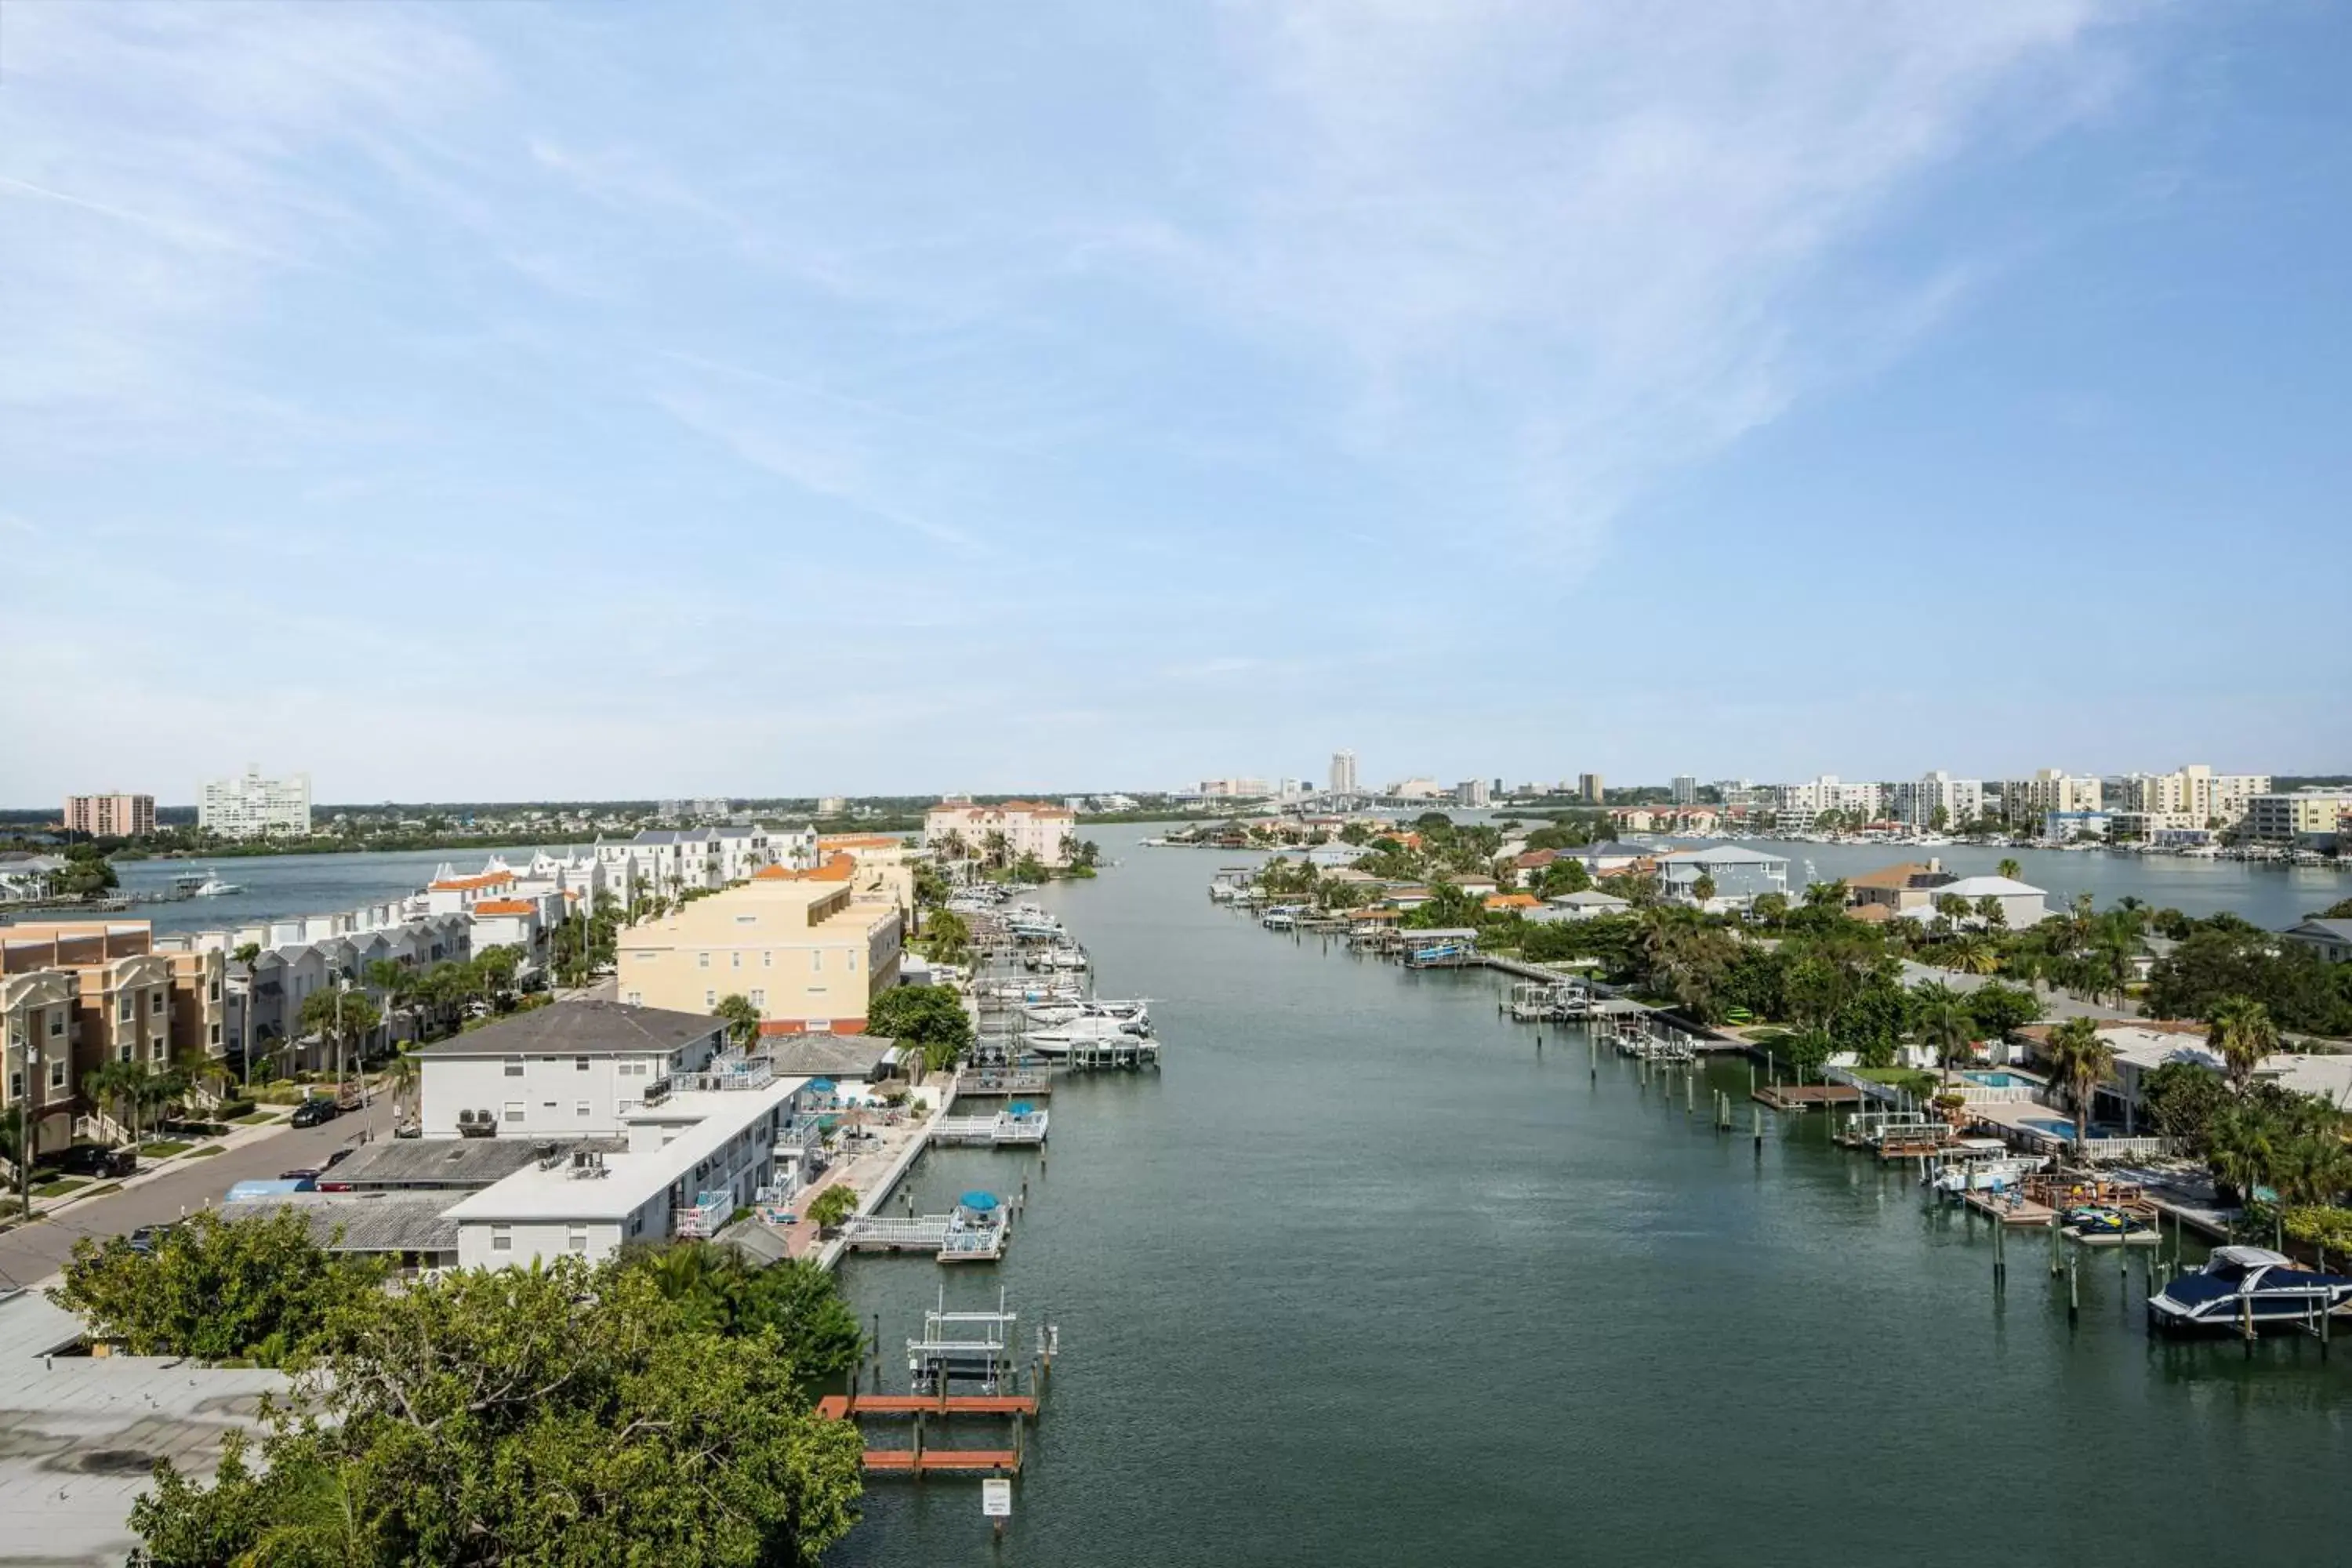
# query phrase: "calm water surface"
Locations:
[[1361, 1278]]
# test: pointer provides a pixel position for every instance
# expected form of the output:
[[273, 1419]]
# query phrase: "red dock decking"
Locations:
[[906, 1461]]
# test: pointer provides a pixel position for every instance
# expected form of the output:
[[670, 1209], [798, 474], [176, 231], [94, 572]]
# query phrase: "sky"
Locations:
[[498, 400]]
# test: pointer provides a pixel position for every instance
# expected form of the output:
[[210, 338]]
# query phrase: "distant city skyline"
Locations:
[[505, 402]]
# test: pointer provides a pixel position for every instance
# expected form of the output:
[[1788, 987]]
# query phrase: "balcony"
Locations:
[[703, 1220]]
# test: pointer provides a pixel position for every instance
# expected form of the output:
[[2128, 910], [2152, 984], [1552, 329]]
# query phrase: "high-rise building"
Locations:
[[1589, 789], [1918, 802], [111, 815], [253, 805], [1343, 772], [1472, 791], [2029, 800], [1686, 789], [2195, 794]]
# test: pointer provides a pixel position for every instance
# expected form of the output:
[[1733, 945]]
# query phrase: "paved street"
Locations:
[[33, 1253]]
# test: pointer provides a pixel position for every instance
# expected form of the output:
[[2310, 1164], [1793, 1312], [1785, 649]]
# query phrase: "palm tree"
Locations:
[[1702, 889], [1826, 895], [401, 1073], [121, 1087], [997, 847], [1971, 954], [244, 956], [2242, 1148], [1946, 1026], [2080, 1060], [2009, 868], [2242, 1033]]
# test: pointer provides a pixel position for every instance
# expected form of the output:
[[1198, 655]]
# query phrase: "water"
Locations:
[[1361, 1278], [2273, 897], [276, 885]]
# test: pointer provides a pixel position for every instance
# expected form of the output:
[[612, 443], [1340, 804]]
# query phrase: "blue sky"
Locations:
[[470, 400]]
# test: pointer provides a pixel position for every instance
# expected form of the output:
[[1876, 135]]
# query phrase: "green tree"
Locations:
[[931, 1019], [214, 1287], [2080, 1061], [1448, 908], [2181, 1099], [831, 1208], [1946, 1026], [1826, 895], [88, 872], [1769, 909], [2242, 1033], [717, 1290], [119, 1089], [1703, 888], [341, 1018], [742, 1018], [1997, 1009], [559, 1415], [2009, 868], [245, 957], [945, 937]]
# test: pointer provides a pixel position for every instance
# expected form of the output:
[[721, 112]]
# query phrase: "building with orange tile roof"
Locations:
[[1030, 828]]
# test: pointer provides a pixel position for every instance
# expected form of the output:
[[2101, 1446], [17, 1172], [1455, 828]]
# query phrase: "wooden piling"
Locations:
[[2074, 1289]]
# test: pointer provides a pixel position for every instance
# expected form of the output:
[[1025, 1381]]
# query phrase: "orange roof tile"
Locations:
[[506, 906], [834, 868], [1513, 901], [466, 884]]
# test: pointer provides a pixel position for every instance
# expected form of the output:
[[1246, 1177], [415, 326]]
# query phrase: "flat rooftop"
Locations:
[[446, 1163], [83, 1433], [630, 1180], [365, 1222]]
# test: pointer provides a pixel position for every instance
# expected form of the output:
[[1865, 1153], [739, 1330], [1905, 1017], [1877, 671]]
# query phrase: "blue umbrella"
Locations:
[[1020, 1107], [979, 1203], [820, 1086]]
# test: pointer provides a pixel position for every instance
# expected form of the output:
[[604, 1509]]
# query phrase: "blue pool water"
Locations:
[[1997, 1079], [2061, 1129]]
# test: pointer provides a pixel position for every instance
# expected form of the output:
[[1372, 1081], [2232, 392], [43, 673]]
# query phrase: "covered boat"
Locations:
[[2243, 1288]]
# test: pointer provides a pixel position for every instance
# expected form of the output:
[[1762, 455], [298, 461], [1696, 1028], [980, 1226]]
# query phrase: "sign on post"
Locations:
[[996, 1499]]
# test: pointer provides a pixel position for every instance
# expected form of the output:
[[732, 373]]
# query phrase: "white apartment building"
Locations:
[[2207, 799], [566, 1071], [670, 861], [251, 806], [1343, 772], [2049, 789], [1915, 801], [1828, 792], [1686, 789], [1472, 793], [1030, 828]]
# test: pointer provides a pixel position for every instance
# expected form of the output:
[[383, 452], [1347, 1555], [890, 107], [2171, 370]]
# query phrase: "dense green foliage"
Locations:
[[254, 1288], [930, 1019], [564, 1417], [2223, 957], [717, 1291]]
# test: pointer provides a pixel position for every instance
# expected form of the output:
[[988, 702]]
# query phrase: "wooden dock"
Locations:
[[840, 1407], [942, 1461], [1805, 1096]]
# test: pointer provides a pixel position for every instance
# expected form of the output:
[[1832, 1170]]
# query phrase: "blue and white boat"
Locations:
[[2244, 1287]]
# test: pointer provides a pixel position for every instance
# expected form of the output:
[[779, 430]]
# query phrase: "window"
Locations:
[[702, 961], [501, 1239], [123, 1052], [578, 1063], [636, 998], [710, 998], [514, 1067], [57, 1074], [56, 1021], [156, 1050], [17, 1084], [580, 1108], [734, 961], [853, 963], [126, 1008], [514, 1110], [767, 960], [817, 963], [759, 998], [577, 1241], [216, 1034], [154, 1002]]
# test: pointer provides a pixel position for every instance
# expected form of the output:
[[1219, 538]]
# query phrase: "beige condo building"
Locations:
[[2029, 800], [75, 995], [2195, 794], [809, 948]]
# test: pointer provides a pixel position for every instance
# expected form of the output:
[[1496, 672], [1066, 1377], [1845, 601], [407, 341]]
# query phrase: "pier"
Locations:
[[1019, 1127]]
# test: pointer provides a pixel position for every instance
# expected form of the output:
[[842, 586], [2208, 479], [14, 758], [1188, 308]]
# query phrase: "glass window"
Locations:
[[514, 1110], [56, 1021], [501, 1239], [127, 1007], [759, 998], [710, 998], [578, 1063], [154, 1001], [514, 1067], [57, 1074], [578, 1239], [580, 1108], [702, 961], [17, 1084]]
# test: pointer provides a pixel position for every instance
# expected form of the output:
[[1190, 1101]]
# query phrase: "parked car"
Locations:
[[314, 1111], [299, 1173], [95, 1160], [337, 1158], [147, 1237]]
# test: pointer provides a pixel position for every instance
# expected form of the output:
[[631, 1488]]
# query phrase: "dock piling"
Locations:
[[2000, 1261], [2074, 1289], [1756, 1125]]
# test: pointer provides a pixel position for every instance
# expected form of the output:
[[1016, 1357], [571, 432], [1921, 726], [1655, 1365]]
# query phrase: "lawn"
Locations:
[[207, 1149], [161, 1149], [60, 1187], [1912, 1080], [255, 1118]]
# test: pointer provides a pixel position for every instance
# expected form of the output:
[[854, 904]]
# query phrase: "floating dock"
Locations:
[[1007, 1128], [1805, 1096]]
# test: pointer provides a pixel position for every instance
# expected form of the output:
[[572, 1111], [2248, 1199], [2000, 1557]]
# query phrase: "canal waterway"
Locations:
[[1361, 1277], [278, 886]]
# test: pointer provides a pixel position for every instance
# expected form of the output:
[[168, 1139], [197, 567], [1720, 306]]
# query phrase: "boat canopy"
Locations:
[[978, 1202]]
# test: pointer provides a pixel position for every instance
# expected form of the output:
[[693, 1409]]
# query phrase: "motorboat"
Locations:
[[1981, 1165], [215, 886], [2100, 1224], [1053, 1044], [2246, 1287]]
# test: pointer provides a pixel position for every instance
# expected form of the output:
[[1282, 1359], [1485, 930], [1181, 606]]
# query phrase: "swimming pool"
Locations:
[[1999, 1079], [2057, 1129]]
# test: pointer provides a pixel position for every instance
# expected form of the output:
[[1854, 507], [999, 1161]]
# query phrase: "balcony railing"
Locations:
[[707, 1214]]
